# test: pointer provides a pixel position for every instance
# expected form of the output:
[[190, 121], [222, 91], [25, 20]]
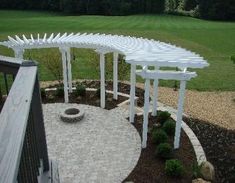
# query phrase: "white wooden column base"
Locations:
[[146, 113], [179, 114], [132, 93]]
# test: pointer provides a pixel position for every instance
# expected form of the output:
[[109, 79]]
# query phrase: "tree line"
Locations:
[[206, 9]]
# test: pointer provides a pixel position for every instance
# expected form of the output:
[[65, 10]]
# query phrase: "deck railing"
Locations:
[[23, 148], [8, 70]]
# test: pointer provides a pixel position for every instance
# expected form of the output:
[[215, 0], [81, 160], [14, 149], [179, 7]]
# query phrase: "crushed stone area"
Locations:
[[217, 108]]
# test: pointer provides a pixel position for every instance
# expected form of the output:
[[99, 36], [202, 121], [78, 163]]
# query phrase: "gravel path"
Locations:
[[215, 107], [103, 147]]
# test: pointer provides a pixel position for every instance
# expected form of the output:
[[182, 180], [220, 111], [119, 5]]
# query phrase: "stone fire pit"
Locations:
[[72, 115]]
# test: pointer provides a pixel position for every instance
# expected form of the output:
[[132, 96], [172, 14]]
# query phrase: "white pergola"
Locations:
[[137, 51]]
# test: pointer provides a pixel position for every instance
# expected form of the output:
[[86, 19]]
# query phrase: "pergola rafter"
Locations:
[[137, 51]]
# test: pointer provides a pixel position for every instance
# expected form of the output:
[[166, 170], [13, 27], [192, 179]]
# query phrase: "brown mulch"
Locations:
[[122, 87], [150, 169], [90, 98]]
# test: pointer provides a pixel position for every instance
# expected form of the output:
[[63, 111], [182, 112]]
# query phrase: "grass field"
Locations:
[[213, 40]]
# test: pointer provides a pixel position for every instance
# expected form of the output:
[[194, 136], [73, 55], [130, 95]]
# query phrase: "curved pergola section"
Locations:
[[137, 51]]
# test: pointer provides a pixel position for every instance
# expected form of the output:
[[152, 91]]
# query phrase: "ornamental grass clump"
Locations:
[[163, 116], [159, 136], [164, 150], [80, 90], [169, 127], [174, 168]]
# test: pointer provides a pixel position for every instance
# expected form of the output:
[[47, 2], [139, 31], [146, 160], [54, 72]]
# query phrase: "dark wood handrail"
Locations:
[[9, 65]]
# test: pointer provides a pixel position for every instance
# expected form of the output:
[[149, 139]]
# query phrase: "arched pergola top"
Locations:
[[139, 51]]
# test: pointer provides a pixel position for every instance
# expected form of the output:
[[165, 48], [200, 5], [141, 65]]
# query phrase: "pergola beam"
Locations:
[[166, 75]]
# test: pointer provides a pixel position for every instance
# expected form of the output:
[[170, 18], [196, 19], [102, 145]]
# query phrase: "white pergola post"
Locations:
[[155, 95], [115, 76], [19, 53], [146, 113], [102, 80], [65, 75], [132, 93], [69, 70], [179, 114]]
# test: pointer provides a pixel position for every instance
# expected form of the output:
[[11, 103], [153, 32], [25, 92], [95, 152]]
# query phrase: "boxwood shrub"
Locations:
[[169, 127], [174, 168], [163, 116], [159, 136]]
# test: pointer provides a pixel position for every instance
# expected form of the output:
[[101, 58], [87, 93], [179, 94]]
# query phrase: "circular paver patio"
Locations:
[[103, 147]]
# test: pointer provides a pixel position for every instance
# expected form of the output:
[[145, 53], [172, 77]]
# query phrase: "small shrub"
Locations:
[[169, 127], [159, 136], [163, 116], [60, 92], [164, 150], [174, 168], [43, 93], [80, 90]]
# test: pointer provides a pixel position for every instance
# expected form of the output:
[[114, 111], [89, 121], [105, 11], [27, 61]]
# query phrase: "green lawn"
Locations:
[[213, 40]]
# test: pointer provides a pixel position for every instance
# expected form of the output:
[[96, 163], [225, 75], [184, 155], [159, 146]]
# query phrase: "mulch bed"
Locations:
[[219, 146], [150, 169], [122, 87], [90, 99]]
